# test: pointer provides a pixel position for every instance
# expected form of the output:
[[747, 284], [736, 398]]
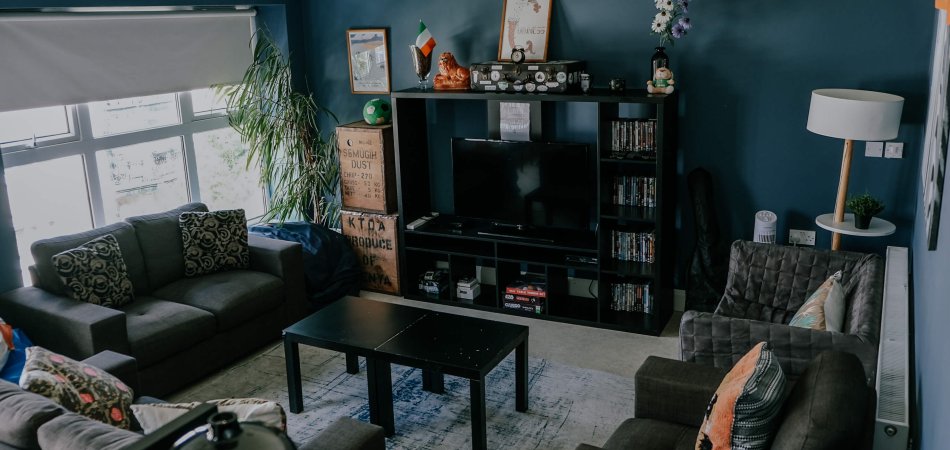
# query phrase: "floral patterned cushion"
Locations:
[[812, 313], [78, 387], [95, 272], [214, 241]]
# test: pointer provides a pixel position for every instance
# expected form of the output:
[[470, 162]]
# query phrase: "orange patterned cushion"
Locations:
[[743, 411]]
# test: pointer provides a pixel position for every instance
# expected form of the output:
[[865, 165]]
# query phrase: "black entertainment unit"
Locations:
[[596, 211]]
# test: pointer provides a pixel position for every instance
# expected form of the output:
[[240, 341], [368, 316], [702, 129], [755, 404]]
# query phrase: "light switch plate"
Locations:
[[874, 149], [894, 150]]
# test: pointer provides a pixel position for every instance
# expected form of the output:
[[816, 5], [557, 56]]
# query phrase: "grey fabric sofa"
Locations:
[[29, 421], [766, 286], [178, 329], [828, 407]]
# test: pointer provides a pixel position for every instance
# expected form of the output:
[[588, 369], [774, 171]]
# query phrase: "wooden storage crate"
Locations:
[[367, 167], [374, 239]]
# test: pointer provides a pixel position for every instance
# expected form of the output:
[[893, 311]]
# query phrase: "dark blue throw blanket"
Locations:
[[330, 266]]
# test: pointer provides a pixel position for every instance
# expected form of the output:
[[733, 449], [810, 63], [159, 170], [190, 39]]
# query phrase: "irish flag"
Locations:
[[425, 41]]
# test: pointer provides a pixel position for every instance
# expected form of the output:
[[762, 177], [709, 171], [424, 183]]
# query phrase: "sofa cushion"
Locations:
[[95, 272], [812, 313], [214, 241], [827, 407], [649, 434], [160, 239], [159, 328], [22, 413], [743, 411], [74, 432], [153, 416], [77, 386], [44, 249], [234, 297]]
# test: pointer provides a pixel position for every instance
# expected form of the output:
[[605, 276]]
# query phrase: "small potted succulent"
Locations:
[[864, 208]]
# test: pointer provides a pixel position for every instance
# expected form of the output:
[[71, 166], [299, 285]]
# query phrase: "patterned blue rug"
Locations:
[[566, 405]]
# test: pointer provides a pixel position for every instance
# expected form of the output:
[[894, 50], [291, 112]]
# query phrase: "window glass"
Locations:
[[224, 180], [207, 102], [133, 114], [43, 123], [47, 199], [142, 178]]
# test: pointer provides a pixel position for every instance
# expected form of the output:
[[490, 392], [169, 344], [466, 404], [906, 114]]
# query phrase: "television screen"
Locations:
[[528, 184]]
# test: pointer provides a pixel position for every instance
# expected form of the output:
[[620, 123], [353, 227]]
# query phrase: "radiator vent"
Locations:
[[891, 426]]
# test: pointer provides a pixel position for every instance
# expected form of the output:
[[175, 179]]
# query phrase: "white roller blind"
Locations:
[[63, 59]]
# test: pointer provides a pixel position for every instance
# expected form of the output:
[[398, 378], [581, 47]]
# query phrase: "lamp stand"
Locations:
[[842, 190]]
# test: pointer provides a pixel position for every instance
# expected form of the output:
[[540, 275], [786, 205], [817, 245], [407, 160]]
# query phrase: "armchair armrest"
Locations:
[[121, 366], [721, 341], [675, 391], [75, 329], [283, 259]]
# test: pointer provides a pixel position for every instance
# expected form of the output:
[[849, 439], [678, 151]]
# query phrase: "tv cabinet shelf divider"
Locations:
[[423, 131]]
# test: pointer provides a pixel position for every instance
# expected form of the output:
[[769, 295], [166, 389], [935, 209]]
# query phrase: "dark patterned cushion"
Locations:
[[743, 411], [95, 272], [78, 387], [214, 241]]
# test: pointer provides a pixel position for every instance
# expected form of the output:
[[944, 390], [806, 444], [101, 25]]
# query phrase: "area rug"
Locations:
[[566, 405]]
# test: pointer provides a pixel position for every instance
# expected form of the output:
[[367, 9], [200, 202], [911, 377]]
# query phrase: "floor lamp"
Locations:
[[852, 115]]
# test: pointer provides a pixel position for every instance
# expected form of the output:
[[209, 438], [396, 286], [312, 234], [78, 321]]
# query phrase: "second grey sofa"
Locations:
[[178, 329], [766, 286]]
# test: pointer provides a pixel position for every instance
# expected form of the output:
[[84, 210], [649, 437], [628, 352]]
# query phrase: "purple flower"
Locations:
[[685, 23], [678, 31], [684, 5]]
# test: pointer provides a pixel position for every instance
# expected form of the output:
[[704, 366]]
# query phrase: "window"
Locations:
[[72, 168]]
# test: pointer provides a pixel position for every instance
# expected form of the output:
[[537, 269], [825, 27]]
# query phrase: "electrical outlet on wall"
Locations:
[[894, 150], [801, 237]]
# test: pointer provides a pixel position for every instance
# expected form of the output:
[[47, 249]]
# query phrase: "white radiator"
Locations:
[[892, 421]]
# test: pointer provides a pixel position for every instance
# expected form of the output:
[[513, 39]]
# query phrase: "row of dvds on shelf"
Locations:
[[637, 136], [632, 298], [635, 247], [634, 191]]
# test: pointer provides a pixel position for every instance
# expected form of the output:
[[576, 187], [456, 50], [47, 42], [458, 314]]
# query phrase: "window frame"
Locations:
[[83, 143]]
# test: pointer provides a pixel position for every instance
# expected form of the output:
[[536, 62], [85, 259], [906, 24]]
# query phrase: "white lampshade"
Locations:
[[855, 114]]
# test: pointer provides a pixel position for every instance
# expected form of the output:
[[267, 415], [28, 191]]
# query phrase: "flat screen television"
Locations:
[[528, 185]]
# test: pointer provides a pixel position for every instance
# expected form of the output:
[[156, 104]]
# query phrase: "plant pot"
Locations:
[[862, 222]]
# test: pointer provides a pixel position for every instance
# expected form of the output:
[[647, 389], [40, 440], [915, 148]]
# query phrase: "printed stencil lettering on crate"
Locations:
[[367, 171], [373, 238]]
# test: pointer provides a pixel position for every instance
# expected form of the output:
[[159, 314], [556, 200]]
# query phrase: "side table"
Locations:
[[878, 227]]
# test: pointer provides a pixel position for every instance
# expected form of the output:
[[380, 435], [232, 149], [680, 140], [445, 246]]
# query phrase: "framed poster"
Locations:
[[369, 61], [525, 24], [937, 134]]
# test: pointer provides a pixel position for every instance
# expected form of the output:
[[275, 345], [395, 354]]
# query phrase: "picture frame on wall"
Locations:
[[525, 24], [937, 135], [368, 54]]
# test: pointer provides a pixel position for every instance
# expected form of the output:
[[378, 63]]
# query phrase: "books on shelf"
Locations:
[[526, 294], [632, 297], [633, 138], [636, 247], [634, 191]]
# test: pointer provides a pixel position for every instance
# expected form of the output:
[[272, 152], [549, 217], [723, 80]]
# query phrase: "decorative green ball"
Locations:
[[377, 112]]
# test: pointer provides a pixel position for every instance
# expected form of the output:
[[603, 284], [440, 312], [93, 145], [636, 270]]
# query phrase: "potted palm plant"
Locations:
[[864, 208], [281, 126]]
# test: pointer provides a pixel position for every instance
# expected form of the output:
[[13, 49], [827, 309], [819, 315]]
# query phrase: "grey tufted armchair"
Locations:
[[766, 285]]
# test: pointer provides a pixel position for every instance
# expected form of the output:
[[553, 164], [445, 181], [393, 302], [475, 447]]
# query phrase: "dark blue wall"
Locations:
[[745, 73], [931, 303]]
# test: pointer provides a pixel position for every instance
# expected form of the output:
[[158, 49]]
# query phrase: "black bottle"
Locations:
[[659, 60]]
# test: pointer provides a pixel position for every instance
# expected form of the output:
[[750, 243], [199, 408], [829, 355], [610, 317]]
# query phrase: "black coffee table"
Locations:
[[438, 343]]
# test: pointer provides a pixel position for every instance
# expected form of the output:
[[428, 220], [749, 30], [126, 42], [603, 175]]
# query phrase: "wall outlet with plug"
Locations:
[[801, 237]]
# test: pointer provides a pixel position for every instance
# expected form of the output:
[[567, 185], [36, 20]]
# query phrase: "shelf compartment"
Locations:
[[634, 321], [541, 255], [468, 267], [629, 268], [488, 297], [622, 213], [444, 243], [418, 263]]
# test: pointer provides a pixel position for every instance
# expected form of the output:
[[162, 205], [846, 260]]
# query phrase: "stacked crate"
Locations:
[[368, 185]]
